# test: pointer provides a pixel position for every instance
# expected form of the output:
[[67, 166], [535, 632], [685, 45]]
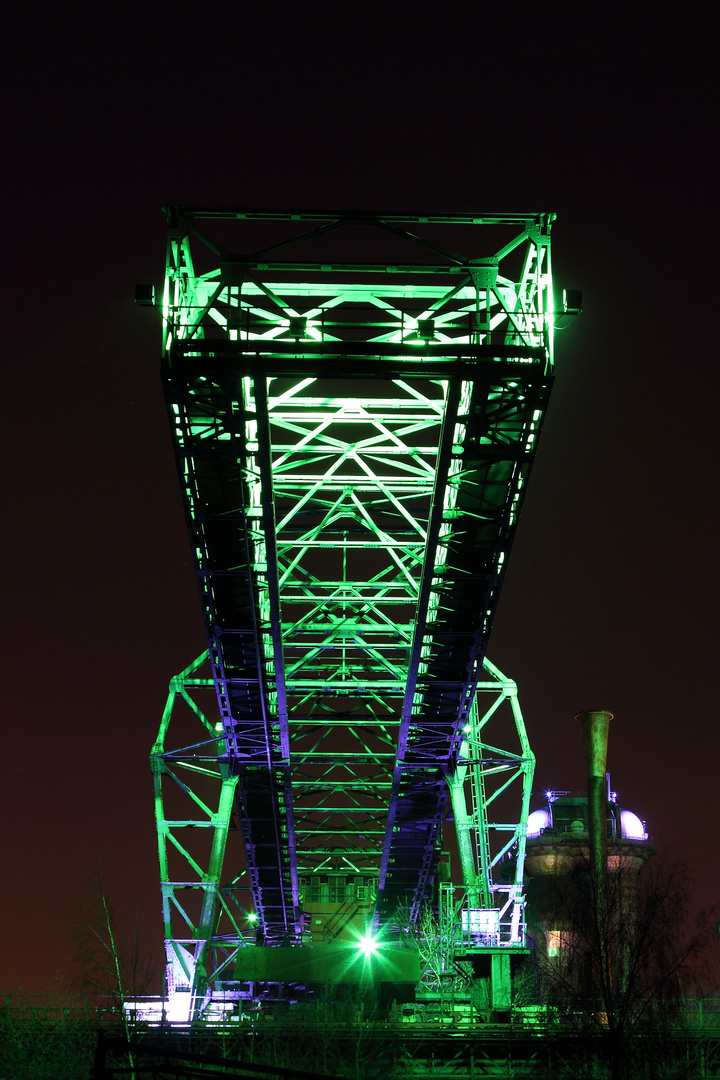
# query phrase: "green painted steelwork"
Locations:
[[490, 791], [353, 439]]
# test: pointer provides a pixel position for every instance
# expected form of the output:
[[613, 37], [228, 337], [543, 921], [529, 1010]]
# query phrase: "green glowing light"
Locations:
[[369, 945]]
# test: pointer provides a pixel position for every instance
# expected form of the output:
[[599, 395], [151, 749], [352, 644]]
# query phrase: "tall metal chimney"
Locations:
[[594, 725]]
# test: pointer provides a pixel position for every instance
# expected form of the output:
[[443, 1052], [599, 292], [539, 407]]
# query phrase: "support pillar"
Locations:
[[500, 982]]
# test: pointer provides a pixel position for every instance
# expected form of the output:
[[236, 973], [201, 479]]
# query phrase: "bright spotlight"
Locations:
[[368, 945]]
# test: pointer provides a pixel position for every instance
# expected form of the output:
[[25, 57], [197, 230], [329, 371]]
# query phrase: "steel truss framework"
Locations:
[[208, 917], [353, 441]]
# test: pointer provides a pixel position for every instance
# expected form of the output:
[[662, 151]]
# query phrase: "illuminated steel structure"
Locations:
[[355, 401]]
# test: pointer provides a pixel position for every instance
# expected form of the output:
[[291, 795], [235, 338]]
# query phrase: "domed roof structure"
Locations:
[[558, 834], [568, 814]]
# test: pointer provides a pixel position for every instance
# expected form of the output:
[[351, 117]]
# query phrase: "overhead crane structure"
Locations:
[[355, 400]]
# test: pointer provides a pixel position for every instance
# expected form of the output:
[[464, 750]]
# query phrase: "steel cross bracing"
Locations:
[[353, 439], [490, 793], [208, 915]]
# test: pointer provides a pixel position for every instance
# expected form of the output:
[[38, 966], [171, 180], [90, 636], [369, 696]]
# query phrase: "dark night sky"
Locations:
[[612, 591]]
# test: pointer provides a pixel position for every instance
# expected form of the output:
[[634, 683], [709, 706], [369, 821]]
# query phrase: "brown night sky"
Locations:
[[612, 591]]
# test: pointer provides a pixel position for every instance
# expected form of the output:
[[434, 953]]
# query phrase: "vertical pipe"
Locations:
[[463, 829], [594, 725]]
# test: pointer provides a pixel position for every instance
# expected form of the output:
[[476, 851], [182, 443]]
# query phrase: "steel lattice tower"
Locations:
[[353, 437]]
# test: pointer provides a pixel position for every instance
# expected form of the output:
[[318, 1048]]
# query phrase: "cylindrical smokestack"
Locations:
[[594, 725]]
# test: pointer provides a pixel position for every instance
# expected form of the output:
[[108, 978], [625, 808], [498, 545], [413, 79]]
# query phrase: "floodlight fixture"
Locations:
[[298, 326], [369, 945], [144, 296], [572, 301]]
